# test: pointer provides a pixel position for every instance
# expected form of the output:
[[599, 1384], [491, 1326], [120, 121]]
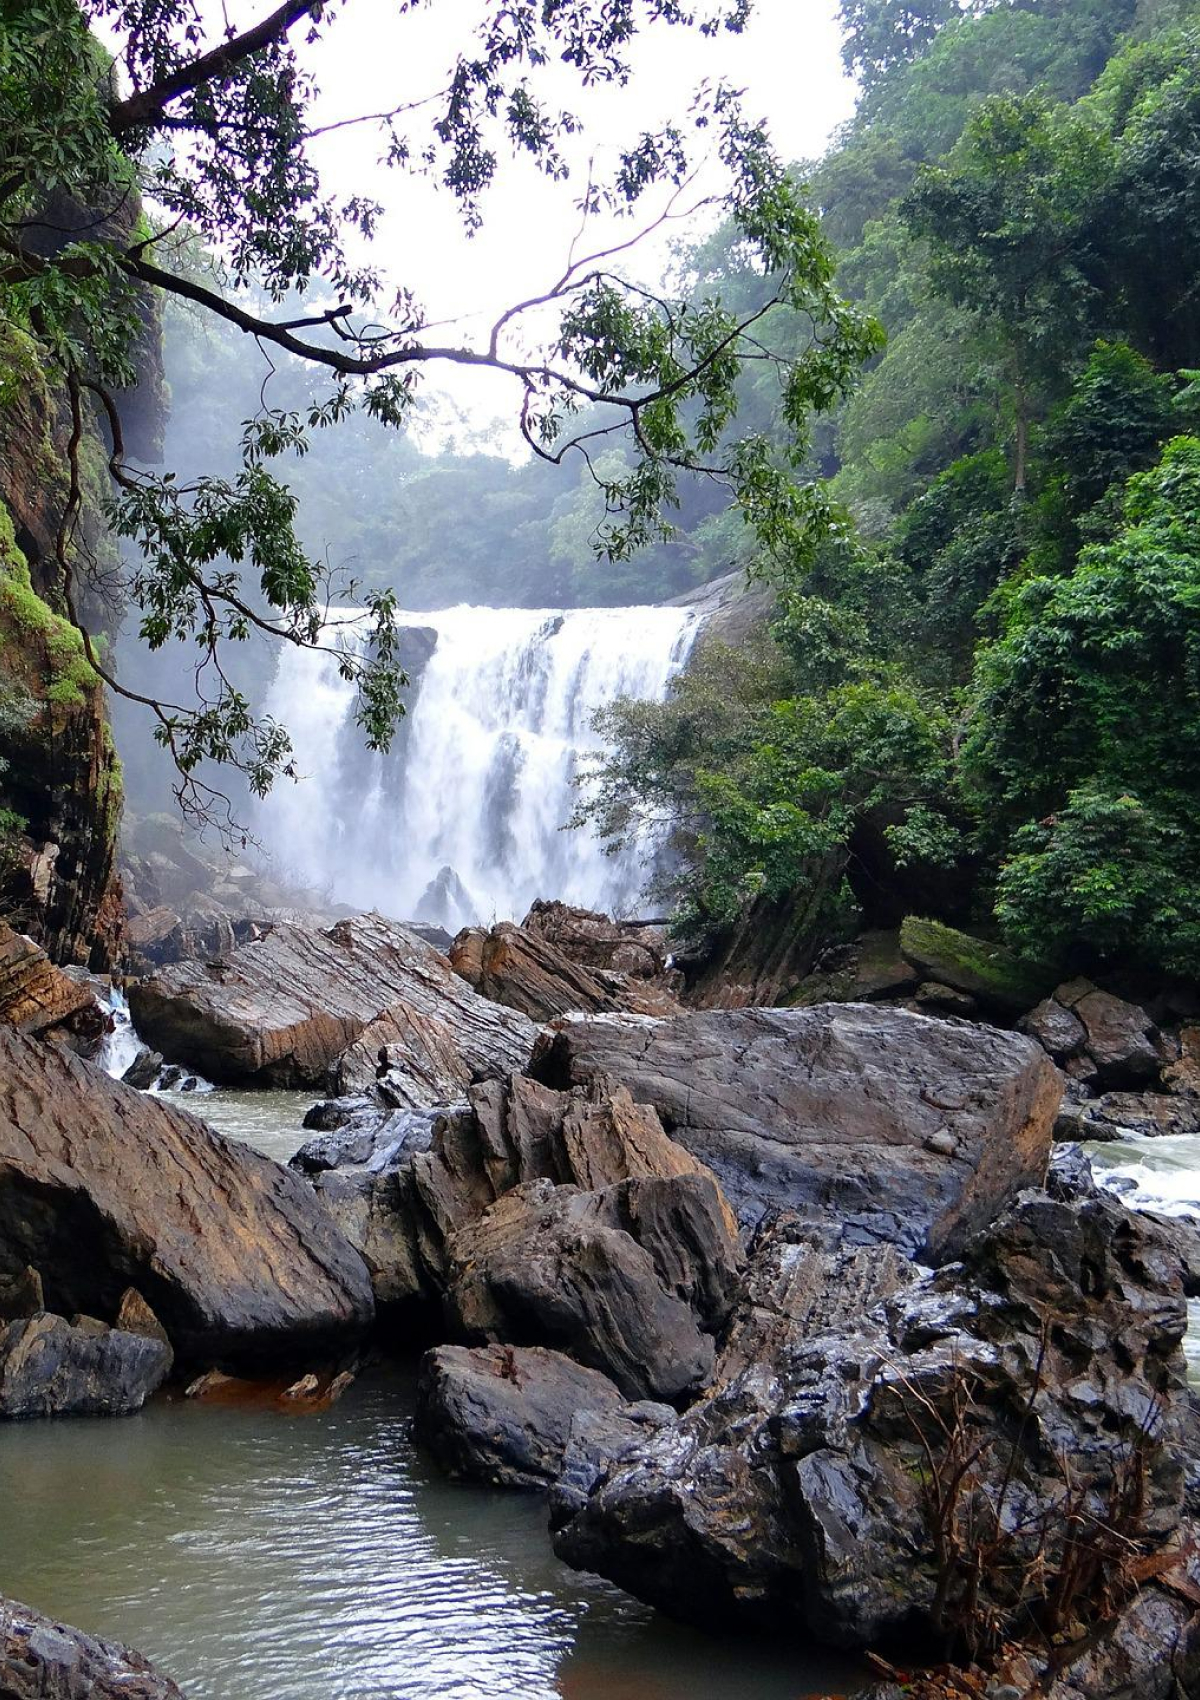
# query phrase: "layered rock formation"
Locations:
[[292, 1006], [523, 969], [102, 1188], [36, 997]]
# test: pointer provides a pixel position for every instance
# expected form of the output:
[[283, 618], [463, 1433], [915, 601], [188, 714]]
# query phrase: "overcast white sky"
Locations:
[[370, 59]]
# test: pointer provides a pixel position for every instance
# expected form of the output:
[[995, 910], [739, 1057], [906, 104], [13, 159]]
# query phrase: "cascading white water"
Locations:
[[463, 822]]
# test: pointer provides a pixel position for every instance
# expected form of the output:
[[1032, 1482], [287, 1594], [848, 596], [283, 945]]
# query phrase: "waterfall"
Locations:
[[463, 820]]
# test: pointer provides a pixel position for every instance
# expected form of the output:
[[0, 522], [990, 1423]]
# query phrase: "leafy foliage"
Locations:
[[215, 129]]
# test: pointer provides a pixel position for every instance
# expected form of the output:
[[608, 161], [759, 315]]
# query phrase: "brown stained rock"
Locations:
[[503, 1414], [597, 941], [283, 1009], [41, 1657], [831, 1111], [50, 1367], [1120, 1038], [102, 1188], [524, 970], [34, 995]]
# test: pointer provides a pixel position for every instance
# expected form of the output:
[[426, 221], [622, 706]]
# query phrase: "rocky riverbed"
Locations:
[[804, 1318]]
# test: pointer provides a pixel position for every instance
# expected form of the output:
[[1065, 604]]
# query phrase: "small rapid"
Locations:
[[464, 820]]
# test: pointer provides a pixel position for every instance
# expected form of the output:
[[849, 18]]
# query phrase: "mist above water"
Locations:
[[463, 821]]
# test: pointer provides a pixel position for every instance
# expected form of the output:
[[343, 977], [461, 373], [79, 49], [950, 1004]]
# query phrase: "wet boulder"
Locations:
[[39, 1656], [818, 1482], [1119, 1036], [102, 1188], [503, 1414], [50, 1367], [900, 1127], [287, 1008]]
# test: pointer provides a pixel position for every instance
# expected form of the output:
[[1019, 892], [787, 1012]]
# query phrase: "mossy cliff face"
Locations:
[[60, 778]]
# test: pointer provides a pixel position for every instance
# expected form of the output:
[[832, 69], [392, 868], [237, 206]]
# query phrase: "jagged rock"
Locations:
[[366, 1138], [831, 1111], [1116, 1115], [36, 997], [50, 1367], [400, 1191], [41, 1657], [1055, 1028], [525, 971], [102, 1187], [980, 967], [799, 1488], [134, 1316], [282, 1011], [502, 1414], [597, 941], [871, 967], [143, 1071], [597, 1441], [803, 1281], [625, 1280]]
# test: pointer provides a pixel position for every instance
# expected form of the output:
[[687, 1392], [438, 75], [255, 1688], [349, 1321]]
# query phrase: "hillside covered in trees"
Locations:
[[981, 695]]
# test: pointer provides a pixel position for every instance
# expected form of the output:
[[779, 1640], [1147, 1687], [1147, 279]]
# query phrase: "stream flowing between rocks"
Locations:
[[258, 1555]]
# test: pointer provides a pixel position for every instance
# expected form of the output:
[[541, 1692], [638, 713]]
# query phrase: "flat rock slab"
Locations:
[[102, 1188], [503, 1414], [40, 1658], [899, 1127], [282, 1010]]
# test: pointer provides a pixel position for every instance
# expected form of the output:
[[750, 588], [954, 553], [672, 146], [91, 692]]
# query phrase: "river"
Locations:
[[264, 1556]]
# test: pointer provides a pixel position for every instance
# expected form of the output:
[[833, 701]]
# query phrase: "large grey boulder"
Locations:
[[855, 1479], [900, 1127], [50, 1367], [503, 1414], [43, 1659], [103, 1188], [290, 1007]]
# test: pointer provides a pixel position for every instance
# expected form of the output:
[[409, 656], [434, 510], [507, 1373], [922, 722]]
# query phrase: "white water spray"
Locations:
[[463, 822]]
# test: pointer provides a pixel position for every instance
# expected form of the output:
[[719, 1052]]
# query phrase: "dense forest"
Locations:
[[981, 694]]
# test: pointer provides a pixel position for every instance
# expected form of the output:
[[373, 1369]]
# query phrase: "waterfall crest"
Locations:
[[463, 820]]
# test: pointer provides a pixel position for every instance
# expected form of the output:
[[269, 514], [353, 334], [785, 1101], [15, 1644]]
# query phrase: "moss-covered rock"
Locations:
[[989, 971]]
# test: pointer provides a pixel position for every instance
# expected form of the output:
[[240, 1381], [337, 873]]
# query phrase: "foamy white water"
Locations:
[[464, 820]]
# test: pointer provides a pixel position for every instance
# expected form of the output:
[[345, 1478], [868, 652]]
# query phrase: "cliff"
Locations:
[[60, 777]]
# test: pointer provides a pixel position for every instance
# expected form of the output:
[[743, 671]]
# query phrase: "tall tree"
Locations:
[[1010, 221]]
